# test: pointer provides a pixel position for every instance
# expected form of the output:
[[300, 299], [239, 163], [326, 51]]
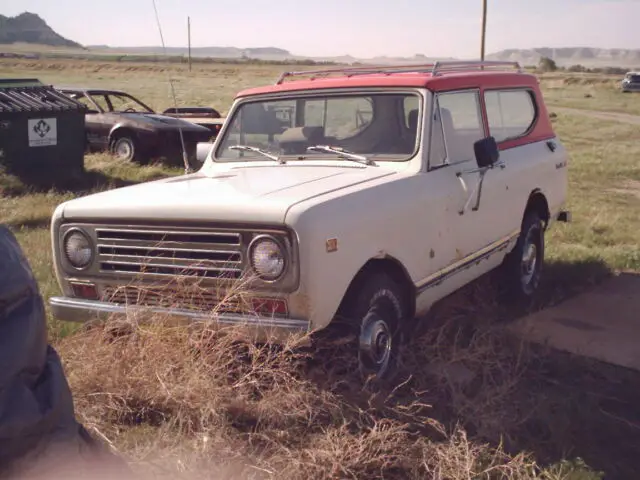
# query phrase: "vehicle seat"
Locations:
[[294, 141], [451, 139], [412, 123]]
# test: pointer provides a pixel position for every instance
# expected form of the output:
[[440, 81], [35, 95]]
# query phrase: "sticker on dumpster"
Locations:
[[43, 132]]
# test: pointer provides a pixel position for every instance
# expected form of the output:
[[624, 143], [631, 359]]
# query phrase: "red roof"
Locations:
[[453, 77]]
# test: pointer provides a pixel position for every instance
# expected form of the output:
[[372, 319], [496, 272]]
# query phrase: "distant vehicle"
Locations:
[[204, 116], [123, 125], [631, 82]]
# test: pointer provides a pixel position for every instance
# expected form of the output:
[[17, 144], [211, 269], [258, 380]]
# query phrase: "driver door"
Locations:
[[477, 218]]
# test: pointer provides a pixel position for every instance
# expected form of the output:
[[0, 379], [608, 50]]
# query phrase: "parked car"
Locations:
[[204, 116], [381, 191], [123, 125], [631, 82]]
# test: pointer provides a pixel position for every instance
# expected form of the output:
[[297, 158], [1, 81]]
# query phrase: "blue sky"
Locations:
[[361, 28]]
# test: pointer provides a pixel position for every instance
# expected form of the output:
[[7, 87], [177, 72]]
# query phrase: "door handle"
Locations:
[[482, 170]]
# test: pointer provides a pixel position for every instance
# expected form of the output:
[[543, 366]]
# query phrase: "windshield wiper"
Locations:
[[342, 153], [247, 148]]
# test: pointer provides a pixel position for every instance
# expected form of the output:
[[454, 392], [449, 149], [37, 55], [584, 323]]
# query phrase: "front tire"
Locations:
[[523, 269], [125, 148], [376, 312]]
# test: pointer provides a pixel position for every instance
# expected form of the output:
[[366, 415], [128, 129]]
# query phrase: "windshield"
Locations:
[[119, 102], [633, 78], [381, 126]]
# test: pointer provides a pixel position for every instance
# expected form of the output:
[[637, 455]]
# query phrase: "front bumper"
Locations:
[[80, 310], [630, 87]]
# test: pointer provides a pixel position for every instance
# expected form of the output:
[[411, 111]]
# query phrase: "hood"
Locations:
[[158, 121], [256, 194]]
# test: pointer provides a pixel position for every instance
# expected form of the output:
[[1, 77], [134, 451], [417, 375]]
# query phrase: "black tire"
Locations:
[[524, 265], [376, 311], [125, 147]]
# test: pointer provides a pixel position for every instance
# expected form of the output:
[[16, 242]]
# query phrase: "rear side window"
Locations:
[[511, 113]]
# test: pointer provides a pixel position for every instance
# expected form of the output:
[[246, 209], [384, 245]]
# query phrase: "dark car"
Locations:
[[631, 82], [123, 125]]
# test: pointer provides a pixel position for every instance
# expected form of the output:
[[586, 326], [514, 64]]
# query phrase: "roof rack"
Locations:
[[434, 69]]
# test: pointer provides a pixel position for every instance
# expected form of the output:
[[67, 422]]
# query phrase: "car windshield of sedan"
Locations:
[[120, 103], [378, 126]]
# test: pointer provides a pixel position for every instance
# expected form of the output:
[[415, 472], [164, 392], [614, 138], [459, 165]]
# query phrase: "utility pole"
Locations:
[[189, 39], [484, 28]]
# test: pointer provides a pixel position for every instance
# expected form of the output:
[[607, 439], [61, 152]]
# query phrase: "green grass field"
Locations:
[[509, 425]]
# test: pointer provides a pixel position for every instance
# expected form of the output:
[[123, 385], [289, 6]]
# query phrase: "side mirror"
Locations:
[[487, 153], [202, 151]]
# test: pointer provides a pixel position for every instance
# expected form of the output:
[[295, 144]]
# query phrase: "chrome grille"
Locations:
[[164, 297], [170, 253]]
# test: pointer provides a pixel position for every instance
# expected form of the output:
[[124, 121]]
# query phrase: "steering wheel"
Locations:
[[133, 110]]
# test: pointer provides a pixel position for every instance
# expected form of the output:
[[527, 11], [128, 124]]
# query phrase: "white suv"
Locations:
[[362, 193]]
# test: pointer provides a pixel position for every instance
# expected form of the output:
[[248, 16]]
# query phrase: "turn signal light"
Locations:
[[85, 290], [269, 306]]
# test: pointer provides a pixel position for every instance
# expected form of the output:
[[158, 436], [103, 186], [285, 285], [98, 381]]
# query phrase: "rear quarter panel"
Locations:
[[534, 167], [536, 161]]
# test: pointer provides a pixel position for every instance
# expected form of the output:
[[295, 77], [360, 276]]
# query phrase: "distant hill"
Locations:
[[30, 28], [568, 56], [216, 52], [259, 53]]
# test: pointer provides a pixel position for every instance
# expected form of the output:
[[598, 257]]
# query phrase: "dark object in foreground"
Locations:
[[123, 125], [39, 434], [41, 130]]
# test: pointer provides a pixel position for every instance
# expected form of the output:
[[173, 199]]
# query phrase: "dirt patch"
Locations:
[[602, 323], [628, 187]]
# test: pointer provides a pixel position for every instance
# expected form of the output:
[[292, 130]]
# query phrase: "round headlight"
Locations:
[[267, 258], [78, 249]]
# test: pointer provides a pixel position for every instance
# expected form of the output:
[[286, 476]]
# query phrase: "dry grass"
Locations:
[[205, 402], [173, 401]]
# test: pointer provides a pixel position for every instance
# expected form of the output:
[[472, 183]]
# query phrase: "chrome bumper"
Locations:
[[79, 310]]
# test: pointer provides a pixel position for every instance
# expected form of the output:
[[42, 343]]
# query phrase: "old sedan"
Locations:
[[123, 125]]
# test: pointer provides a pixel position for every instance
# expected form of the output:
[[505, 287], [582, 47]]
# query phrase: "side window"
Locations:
[[461, 123], [101, 102], [437, 151], [511, 113], [85, 101]]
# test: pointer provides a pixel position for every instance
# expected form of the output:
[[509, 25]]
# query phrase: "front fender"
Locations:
[[122, 126], [339, 235]]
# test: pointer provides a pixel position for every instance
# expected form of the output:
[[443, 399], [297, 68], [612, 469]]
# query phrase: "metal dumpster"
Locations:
[[42, 132]]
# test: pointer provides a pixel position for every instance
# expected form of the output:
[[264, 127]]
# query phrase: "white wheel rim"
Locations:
[[123, 149], [529, 261]]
